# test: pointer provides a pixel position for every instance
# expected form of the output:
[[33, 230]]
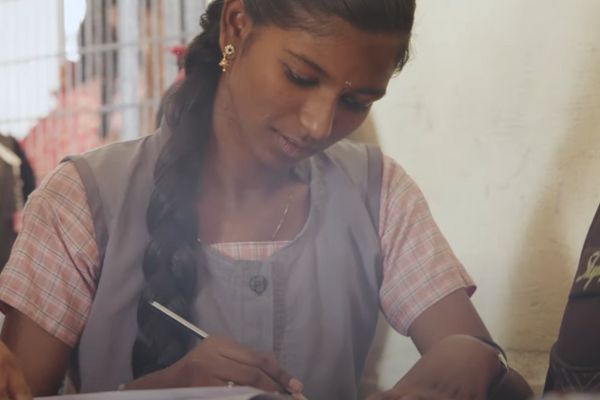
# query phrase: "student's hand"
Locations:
[[12, 381], [458, 367], [218, 361]]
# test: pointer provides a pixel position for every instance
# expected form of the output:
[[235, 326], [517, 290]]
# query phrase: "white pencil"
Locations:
[[181, 321]]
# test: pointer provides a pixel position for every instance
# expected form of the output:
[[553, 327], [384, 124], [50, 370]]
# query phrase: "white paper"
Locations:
[[209, 393]]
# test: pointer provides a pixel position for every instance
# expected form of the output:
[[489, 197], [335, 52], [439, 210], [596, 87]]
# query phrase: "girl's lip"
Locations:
[[295, 142], [290, 147]]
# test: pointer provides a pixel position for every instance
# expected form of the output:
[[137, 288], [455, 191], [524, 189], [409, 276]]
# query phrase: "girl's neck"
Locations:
[[235, 172], [229, 166]]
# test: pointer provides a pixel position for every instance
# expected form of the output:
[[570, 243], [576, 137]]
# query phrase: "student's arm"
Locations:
[[424, 294], [12, 381], [42, 357], [48, 284], [453, 315], [455, 364]]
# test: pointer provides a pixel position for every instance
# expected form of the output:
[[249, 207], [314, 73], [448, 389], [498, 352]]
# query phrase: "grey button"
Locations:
[[258, 284]]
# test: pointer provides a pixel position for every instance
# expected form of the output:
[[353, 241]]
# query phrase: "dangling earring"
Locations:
[[228, 53]]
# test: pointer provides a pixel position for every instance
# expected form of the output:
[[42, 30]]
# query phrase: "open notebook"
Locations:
[[210, 393]]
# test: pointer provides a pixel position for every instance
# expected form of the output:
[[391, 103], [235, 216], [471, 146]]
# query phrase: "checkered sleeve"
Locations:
[[419, 268], [51, 274]]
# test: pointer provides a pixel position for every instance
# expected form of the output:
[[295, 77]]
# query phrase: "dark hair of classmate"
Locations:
[[7, 229], [170, 263]]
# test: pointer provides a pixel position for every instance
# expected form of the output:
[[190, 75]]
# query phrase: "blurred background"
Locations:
[[75, 74], [497, 117]]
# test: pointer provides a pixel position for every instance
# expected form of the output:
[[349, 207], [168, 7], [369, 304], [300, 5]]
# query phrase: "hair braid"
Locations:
[[169, 263]]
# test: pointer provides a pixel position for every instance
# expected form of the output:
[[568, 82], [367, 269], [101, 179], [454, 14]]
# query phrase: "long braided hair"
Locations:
[[170, 262]]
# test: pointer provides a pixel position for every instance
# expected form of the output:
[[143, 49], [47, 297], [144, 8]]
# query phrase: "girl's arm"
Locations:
[[42, 357]]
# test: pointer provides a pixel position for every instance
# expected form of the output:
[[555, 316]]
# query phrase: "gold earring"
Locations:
[[228, 53]]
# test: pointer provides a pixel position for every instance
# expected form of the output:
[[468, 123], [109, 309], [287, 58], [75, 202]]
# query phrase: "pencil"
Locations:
[[181, 321]]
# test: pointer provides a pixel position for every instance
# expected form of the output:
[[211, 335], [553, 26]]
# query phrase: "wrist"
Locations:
[[500, 363]]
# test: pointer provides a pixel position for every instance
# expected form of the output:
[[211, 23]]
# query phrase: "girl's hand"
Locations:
[[219, 361], [458, 367]]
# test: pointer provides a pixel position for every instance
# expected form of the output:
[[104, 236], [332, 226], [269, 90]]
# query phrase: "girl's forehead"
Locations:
[[344, 46], [338, 33]]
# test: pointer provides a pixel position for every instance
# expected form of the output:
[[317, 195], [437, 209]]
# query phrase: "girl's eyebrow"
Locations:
[[308, 62]]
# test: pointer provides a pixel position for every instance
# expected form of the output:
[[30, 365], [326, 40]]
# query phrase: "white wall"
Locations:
[[497, 117]]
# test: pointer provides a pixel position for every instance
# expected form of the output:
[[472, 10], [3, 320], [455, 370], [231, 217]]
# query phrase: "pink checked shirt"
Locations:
[[51, 274]]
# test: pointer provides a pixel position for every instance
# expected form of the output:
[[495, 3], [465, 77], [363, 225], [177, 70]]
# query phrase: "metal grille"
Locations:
[[78, 73]]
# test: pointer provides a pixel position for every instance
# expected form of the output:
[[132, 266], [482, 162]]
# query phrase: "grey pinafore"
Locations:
[[314, 303]]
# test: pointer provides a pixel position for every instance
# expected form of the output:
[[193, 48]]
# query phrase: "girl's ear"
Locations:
[[235, 23]]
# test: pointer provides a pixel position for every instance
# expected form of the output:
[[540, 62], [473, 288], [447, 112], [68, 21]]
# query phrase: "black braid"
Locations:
[[169, 261]]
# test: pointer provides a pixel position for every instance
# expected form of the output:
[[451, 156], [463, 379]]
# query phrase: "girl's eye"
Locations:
[[300, 80], [353, 105]]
